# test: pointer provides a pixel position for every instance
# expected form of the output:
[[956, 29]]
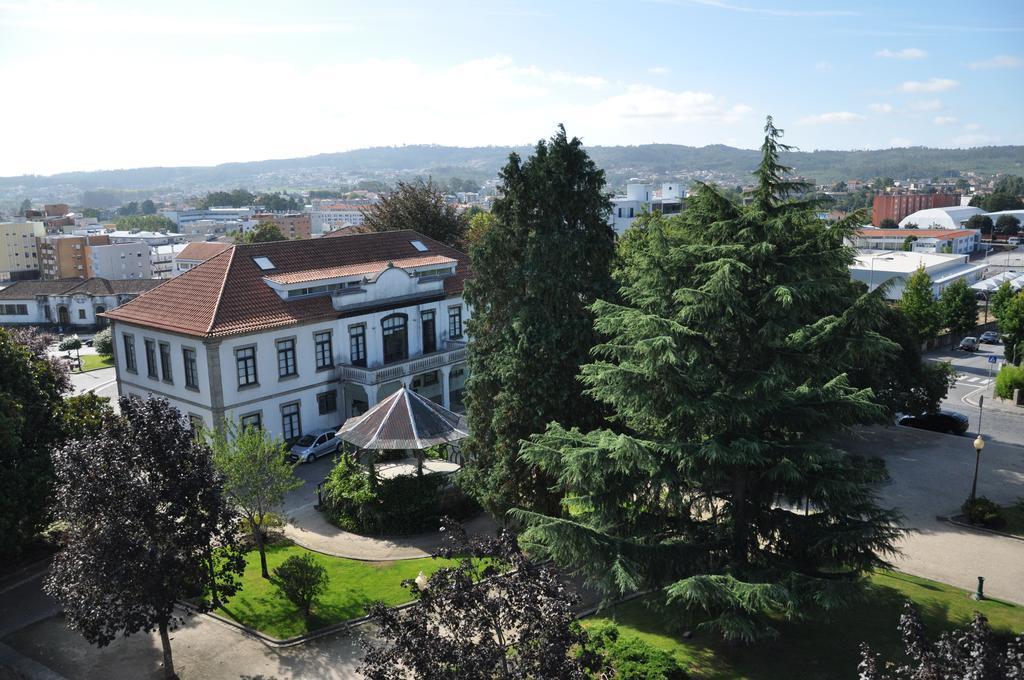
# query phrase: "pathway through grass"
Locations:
[[819, 650], [352, 585]]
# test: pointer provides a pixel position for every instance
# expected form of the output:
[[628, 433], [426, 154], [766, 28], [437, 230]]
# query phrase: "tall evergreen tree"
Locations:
[[726, 365], [545, 258]]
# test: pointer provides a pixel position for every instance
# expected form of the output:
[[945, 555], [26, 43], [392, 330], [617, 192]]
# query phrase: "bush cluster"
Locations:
[[629, 658], [983, 512], [1008, 379], [408, 504]]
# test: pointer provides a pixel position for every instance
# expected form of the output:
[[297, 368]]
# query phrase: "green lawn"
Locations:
[[352, 585], [93, 362], [820, 649]]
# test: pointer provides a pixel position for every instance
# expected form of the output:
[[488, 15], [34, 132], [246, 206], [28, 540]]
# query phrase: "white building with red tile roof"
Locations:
[[949, 241], [299, 335]]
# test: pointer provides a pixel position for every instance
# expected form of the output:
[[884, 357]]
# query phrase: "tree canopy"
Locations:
[[541, 261], [726, 369], [143, 508], [920, 307], [1012, 185], [420, 206], [997, 201], [959, 308], [1007, 225], [982, 223], [146, 223], [238, 198], [264, 232]]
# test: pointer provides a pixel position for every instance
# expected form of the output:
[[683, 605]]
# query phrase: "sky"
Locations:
[[101, 85]]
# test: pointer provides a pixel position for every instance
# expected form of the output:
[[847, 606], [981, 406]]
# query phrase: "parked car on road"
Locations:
[[969, 344], [940, 421], [312, 445], [989, 338]]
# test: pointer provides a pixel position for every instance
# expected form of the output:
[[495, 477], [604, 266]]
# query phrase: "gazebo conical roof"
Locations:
[[404, 420]]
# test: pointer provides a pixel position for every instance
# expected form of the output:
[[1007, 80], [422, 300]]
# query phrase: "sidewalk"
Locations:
[[931, 478]]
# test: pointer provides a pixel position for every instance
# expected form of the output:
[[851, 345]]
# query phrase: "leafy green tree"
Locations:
[[962, 184], [995, 202], [908, 243], [1012, 185], [278, 202], [90, 212], [256, 476], [31, 389], [726, 368], [264, 232], [479, 224], [1011, 326], [148, 207], [301, 580], [545, 258], [146, 223], [128, 209], [1007, 225], [920, 307], [982, 223], [959, 308], [420, 206], [239, 198], [889, 223], [25, 206], [84, 414], [839, 186], [999, 299], [103, 342], [143, 508], [74, 343]]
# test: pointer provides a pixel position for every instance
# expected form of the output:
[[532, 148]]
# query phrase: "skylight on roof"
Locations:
[[263, 263], [418, 245]]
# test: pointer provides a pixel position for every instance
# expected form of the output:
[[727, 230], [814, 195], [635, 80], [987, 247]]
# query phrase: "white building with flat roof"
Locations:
[[120, 261], [894, 267], [641, 196], [951, 241]]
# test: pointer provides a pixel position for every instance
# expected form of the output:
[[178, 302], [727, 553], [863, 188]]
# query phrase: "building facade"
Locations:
[[66, 304], [298, 335], [66, 256], [894, 267], [125, 260], [640, 197], [19, 258], [897, 206], [327, 217], [292, 225], [949, 241]]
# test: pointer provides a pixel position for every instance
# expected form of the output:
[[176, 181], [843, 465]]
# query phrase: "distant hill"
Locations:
[[618, 161]]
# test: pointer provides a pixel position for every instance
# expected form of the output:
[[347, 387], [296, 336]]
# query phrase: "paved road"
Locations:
[[999, 422]]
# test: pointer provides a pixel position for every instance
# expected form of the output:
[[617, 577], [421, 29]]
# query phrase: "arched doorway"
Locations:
[[63, 316]]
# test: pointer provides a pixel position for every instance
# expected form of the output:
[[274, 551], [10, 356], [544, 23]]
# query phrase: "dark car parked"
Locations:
[[989, 338], [940, 421]]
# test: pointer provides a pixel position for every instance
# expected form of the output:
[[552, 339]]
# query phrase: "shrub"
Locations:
[[103, 342], [1008, 379], [301, 580], [983, 512], [630, 658]]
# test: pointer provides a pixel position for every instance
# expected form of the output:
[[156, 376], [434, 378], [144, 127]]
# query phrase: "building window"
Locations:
[[252, 420], [151, 358], [327, 401], [357, 345], [47, 313], [286, 358], [291, 423], [245, 364], [129, 353], [429, 331], [191, 372], [165, 362], [14, 310], [81, 313], [396, 345], [323, 350], [455, 322]]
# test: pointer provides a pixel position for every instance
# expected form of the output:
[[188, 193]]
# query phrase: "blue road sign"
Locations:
[[992, 360]]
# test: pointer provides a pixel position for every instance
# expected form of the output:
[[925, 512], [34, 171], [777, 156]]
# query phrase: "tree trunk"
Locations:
[[214, 598], [257, 535], [165, 641], [419, 463]]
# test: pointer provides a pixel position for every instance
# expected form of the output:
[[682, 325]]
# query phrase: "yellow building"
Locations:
[[18, 256]]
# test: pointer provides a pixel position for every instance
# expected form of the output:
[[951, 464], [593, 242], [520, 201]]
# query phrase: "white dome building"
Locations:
[[952, 217]]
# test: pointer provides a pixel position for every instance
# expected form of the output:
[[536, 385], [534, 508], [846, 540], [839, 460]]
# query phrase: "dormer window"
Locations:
[[418, 245], [263, 263]]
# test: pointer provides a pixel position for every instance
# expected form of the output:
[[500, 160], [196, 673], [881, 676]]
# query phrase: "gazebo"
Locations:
[[403, 420]]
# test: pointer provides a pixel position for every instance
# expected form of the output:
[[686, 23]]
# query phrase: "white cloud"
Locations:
[[931, 85], [880, 108], [647, 102], [823, 66], [719, 4], [926, 105], [905, 53], [897, 142], [943, 120], [998, 61], [659, 70], [972, 126], [831, 117]]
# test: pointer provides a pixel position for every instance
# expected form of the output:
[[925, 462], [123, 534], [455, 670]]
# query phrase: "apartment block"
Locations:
[[18, 254], [66, 256]]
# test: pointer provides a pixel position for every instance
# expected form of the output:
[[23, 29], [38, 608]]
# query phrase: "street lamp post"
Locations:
[[979, 444]]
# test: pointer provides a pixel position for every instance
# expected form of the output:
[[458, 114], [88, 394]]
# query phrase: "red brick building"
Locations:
[[897, 206]]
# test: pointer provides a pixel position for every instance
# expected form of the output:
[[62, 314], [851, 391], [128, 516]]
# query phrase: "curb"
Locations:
[[24, 666], [985, 530]]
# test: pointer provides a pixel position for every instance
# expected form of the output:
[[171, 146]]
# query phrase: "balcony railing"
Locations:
[[409, 367]]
